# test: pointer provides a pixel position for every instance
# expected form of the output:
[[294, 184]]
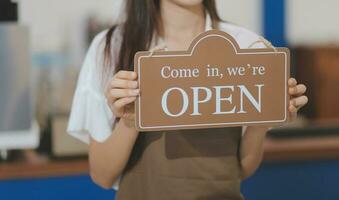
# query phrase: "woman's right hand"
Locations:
[[121, 92]]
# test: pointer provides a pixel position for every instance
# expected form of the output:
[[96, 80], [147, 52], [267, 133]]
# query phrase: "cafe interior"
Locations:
[[42, 48]]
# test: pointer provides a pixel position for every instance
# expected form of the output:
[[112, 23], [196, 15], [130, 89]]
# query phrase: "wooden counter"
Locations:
[[51, 168], [317, 148]]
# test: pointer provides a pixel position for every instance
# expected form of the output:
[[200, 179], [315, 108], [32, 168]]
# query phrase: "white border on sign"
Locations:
[[212, 124]]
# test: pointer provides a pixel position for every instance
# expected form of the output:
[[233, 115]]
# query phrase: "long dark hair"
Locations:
[[138, 29]]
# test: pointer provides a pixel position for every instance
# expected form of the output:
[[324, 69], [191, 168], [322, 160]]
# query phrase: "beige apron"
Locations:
[[200, 164]]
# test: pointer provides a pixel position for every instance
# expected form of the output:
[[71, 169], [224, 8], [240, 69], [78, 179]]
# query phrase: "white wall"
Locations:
[[312, 22], [247, 13], [53, 21]]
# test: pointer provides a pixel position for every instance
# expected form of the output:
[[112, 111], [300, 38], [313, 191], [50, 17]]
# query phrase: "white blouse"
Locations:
[[90, 115]]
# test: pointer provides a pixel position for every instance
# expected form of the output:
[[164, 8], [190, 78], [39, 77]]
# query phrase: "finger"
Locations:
[[121, 93], [297, 90], [122, 83], [130, 116], [129, 75], [292, 82], [123, 102], [299, 101], [292, 108], [293, 113]]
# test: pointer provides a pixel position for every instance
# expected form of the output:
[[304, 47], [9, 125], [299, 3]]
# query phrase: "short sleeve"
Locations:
[[90, 115]]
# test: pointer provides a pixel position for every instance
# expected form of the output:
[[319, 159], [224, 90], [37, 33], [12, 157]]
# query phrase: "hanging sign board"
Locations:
[[212, 84]]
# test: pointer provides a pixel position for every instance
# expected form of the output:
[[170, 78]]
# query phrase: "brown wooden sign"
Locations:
[[212, 84]]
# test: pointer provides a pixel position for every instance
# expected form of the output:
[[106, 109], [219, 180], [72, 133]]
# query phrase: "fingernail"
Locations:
[[292, 102], [291, 108]]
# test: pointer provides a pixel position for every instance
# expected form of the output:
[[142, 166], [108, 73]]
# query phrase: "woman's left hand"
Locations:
[[298, 98]]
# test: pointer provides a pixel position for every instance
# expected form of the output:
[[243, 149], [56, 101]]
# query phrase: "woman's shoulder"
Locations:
[[100, 39], [242, 35], [96, 51]]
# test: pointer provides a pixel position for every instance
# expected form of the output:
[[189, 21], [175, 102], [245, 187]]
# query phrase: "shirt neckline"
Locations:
[[158, 41]]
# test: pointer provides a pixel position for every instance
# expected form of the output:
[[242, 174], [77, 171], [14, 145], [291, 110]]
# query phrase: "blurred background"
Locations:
[[43, 44]]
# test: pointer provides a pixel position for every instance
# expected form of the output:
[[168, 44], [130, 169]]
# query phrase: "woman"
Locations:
[[187, 164]]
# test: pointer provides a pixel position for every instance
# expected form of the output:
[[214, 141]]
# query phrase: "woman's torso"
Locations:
[[197, 164]]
